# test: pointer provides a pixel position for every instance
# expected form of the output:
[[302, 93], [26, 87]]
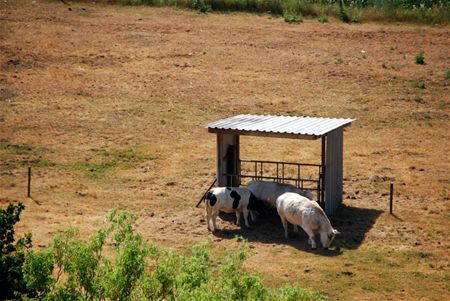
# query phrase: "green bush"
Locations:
[[38, 269], [77, 269], [12, 254], [131, 2], [343, 15], [356, 18], [418, 99], [420, 58], [447, 74], [323, 18], [292, 17], [292, 12], [418, 84]]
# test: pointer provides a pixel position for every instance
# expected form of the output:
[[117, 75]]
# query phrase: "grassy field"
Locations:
[[108, 104]]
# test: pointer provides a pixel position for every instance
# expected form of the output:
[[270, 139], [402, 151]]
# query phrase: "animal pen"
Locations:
[[328, 174]]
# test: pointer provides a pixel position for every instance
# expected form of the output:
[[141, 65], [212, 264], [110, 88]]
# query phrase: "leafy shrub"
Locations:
[[356, 18], [37, 271], [418, 84], [323, 18], [338, 61], [291, 12], [447, 74], [418, 99], [131, 2], [76, 269], [12, 254], [292, 17], [419, 58], [343, 15], [201, 6]]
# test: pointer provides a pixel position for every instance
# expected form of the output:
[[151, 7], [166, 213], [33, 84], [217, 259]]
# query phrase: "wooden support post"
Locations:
[[29, 182], [391, 197]]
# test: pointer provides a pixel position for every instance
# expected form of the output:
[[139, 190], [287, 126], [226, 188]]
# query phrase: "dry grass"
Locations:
[[108, 104]]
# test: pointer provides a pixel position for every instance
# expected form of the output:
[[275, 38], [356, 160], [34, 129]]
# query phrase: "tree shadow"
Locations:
[[353, 223]]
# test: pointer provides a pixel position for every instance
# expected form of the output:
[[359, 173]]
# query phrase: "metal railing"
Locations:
[[283, 172]]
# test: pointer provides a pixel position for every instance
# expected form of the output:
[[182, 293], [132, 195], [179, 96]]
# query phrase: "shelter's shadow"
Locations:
[[352, 222]]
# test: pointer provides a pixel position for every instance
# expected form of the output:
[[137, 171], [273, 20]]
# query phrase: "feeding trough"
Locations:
[[327, 182]]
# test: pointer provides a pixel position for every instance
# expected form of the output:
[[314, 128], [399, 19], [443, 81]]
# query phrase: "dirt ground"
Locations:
[[108, 105]]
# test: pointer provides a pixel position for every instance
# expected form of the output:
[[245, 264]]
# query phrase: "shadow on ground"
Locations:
[[352, 222]]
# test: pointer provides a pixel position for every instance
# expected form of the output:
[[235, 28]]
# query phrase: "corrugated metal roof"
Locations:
[[283, 126]]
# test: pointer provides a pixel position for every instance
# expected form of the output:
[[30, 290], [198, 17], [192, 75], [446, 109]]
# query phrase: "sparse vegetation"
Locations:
[[201, 6], [323, 18], [418, 255], [292, 17], [292, 13], [103, 161], [447, 74], [343, 15], [125, 155], [91, 169], [418, 84], [356, 18], [338, 61], [111, 159], [418, 99], [430, 11], [19, 149]]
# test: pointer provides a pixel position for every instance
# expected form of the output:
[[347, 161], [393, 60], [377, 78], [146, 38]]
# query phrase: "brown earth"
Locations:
[[108, 104]]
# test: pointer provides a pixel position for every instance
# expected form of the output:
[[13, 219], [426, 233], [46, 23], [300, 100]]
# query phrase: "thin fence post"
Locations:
[[391, 197], [29, 182], [204, 195]]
